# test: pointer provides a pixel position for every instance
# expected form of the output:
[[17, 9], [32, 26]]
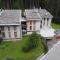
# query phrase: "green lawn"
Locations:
[[56, 26], [13, 50]]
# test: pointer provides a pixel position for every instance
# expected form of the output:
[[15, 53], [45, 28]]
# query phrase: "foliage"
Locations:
[[9, 58], [44, 43], [56, 20], [13, 50], [56, 26], [32, 42], [53, 6]]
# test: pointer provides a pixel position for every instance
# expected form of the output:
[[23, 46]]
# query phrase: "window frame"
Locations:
[[15, 34], [30, 27], [9, 33]]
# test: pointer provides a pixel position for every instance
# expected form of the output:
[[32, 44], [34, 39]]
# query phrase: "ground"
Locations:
[[51, 43], [56, 26], [13, 50]]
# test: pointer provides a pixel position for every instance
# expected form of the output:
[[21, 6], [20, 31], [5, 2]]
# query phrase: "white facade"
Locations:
[[10, 24], [35, 20], [39, 24], [9, 32], [34, 26]]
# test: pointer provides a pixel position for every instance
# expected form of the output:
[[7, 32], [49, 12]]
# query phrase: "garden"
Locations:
[[25, 49]]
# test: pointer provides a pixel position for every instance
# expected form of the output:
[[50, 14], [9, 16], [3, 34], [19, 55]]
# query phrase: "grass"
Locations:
[[13, 50], [56, 26]]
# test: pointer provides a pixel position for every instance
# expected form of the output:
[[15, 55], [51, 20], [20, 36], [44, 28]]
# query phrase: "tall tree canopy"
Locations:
[[53, 6]]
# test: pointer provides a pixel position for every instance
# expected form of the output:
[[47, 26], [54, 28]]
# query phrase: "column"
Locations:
[[49, 22], [6, 32], [12, 31], [18, 32], [45, 22]]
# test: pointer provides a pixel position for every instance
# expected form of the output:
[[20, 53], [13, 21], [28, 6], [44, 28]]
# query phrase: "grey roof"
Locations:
[[53, 54], [10, 17], [37, 14], [32, 14], [44, 13]]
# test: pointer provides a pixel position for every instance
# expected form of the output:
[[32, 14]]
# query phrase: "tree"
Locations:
[[32, 42], [53, 6]]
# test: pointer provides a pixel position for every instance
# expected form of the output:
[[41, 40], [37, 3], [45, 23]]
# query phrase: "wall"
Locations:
[[37, 26], [12, 32], [6, 32], [38, 23]]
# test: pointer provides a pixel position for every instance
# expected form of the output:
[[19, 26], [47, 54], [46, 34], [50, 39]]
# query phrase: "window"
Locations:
[[30, 27], [30, 22], [15, 34], [3, 34], [34, 22], [8, 28], [15, 28], [2, 28], [41, 25], [0, 32], [9, 34], [41, 22]]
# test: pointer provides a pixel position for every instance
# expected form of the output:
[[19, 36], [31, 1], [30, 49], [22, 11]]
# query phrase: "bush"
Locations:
[[32, 42], [25, 48], [9, 58], [44, 43]]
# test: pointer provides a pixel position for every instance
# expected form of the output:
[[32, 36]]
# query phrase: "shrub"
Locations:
[[32, 42], [9, 58], [25, 48], [45, 48]]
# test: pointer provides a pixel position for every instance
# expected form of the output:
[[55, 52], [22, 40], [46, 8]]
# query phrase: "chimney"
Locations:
[[39, 8], [0, 11]]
